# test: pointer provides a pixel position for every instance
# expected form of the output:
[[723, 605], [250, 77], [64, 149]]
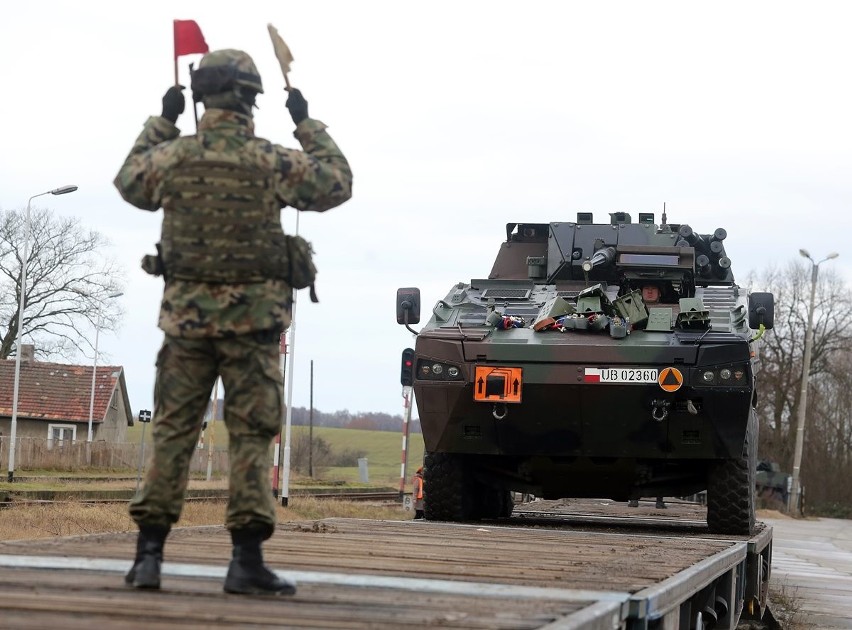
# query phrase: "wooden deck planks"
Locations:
[[591, 564]]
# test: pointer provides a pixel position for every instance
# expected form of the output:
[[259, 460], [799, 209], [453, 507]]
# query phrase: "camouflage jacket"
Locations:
[[317, 178]]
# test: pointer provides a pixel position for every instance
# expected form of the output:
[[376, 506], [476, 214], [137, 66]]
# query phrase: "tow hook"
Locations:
[[497, 415], [660, 409]]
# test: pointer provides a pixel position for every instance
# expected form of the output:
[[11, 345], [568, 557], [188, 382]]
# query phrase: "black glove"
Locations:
[[297, 105], [173, 103]]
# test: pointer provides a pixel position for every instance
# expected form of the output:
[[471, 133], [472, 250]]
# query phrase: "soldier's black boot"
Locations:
[[247, 574], [145, 572]]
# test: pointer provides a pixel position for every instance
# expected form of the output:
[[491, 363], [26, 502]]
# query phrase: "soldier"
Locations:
[[650, 293], [226, 299]]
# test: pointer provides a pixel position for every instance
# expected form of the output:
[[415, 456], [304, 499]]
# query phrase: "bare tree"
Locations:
[[68, 283], [828, 434], [827, 456], [301, 454]]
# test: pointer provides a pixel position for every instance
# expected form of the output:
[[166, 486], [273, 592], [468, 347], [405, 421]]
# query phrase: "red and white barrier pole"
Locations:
[[214, 413], [406, 418]]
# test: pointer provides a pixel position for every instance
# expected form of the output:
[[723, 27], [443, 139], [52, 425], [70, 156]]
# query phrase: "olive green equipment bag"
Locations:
[[303, 272]]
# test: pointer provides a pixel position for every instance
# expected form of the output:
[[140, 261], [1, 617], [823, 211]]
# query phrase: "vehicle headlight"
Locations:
[[438, 371], [729, 375]]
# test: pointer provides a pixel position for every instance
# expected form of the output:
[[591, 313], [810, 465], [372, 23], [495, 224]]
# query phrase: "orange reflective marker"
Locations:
[[497, 384], [670, 379]]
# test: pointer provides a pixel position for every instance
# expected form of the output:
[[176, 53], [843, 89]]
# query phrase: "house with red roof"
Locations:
[[54, 400]]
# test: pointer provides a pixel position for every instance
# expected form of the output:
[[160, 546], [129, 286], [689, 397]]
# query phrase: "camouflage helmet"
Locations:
[[225, 70]]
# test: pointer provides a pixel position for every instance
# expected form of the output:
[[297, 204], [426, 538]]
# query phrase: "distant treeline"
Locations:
[[368, 420]]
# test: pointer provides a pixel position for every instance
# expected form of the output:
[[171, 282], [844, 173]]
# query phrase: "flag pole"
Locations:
[[175, 47], [194, 102], [288, 414]]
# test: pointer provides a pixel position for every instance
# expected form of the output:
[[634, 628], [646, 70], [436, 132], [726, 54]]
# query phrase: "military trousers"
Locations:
[[186, 372]]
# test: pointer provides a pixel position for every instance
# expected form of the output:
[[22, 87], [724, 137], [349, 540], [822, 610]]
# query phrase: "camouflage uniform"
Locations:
[[227, 329]]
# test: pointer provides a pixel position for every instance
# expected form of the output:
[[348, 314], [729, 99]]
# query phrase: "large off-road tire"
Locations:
[[731, 492], [451, 493]]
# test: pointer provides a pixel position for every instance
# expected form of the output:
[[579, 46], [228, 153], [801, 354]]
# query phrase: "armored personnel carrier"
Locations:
[[553, 376]]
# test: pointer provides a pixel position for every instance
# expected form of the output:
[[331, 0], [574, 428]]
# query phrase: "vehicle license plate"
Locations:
[[621, 375]]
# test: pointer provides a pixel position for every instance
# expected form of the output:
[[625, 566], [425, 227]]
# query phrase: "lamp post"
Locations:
[[796, 490], [95, 366], [62, 190]]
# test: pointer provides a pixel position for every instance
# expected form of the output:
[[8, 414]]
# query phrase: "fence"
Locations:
[[43, 454]]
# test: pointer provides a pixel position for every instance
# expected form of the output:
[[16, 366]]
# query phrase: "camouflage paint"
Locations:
[[186, 371], [317, 178]]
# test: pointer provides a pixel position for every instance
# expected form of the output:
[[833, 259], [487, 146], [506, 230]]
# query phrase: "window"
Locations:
[[58, 434]]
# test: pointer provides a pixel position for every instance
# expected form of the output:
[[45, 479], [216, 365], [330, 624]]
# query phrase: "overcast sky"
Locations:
[[457, 118]]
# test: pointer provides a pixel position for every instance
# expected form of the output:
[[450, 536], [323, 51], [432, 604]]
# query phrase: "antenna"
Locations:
[[664, 214]]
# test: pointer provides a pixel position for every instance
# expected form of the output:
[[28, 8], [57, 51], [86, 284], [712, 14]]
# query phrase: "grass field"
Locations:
[[72, 519], [383, 450]]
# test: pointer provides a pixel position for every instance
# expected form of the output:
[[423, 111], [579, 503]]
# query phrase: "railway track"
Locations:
[[380, 497]]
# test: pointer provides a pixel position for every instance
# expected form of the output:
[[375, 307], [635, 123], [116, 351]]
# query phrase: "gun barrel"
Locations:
[[604, 256]]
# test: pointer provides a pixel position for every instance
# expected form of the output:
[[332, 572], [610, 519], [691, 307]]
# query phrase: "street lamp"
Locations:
[[95, 366], [62, 190], [796, 490]]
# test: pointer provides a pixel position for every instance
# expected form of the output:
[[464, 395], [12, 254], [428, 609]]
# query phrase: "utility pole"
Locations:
[[796, 493], [311, 427]]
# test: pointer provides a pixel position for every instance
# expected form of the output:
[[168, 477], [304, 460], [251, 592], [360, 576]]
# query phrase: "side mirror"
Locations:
[[408, 306], [761, 310]]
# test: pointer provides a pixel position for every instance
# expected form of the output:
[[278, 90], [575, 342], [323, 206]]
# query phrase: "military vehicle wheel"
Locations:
[[451, 491], [730, 490], [497, 503], [508, 504]]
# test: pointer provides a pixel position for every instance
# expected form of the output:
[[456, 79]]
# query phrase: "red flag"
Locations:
[[188, 38]]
